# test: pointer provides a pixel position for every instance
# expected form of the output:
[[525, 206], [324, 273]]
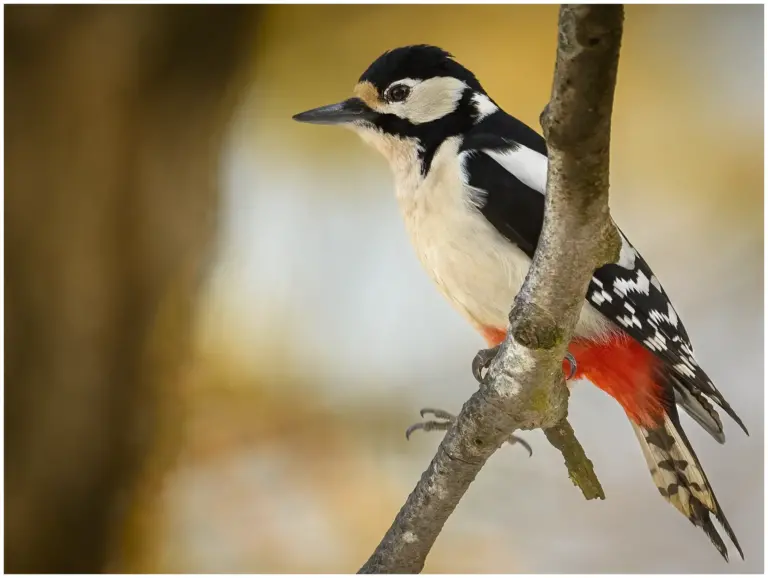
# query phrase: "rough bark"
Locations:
[[525, 388], [114, 123]]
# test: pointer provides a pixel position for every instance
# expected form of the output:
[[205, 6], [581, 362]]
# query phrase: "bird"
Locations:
[[470, 182]]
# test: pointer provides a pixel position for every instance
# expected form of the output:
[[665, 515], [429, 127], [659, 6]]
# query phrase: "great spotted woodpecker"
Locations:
[[470, 181]]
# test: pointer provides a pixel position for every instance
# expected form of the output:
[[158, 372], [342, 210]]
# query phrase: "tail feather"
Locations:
[[650, 390], [693, 380], [698, 408], [678, 475]]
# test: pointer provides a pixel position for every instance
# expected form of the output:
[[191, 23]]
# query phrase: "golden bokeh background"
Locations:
[[319, 337]]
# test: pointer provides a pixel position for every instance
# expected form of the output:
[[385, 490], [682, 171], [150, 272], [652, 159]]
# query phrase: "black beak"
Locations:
[[347, 111]]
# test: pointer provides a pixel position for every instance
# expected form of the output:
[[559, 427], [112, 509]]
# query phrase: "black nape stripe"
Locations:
[[450, 125], [431, 135]]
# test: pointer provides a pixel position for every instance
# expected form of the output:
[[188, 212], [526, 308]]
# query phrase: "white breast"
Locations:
[[477, 269]]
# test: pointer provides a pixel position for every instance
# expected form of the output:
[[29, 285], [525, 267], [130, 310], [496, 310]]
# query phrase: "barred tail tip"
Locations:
[[680, 479]]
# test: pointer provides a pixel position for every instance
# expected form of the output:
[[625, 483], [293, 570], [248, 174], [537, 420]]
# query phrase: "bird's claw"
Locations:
[[572, 362], [432, 425], [448, 419], [482, 361], [438, 413], [513, 439], [484, 357]]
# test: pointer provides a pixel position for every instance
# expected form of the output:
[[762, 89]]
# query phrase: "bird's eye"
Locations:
[[398, 93]]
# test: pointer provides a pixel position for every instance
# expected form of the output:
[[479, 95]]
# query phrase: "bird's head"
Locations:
[[408, 102]]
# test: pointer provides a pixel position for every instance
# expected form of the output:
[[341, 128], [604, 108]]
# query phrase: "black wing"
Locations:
[[627, 292], [513, 207]]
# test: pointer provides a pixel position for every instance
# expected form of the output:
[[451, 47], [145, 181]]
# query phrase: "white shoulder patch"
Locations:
[[483, 105], [527, 165]]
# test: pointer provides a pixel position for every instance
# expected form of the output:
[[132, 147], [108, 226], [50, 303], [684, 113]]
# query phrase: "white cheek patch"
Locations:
[[429, 100]]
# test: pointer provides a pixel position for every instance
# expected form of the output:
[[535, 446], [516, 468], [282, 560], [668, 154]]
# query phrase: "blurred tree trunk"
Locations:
[[114, 124]]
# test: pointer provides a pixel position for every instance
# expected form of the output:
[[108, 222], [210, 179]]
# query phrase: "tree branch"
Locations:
[[525, 388], [579, 466]]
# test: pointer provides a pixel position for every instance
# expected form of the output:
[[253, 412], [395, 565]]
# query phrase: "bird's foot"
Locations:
[[572, 365], [446, 419], [432, 425], [484, 357], [482, 361]]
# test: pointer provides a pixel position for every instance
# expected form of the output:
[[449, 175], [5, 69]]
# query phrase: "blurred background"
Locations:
[[233, 374]]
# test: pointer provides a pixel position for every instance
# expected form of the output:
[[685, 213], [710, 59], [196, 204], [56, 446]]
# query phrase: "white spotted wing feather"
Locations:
[[629, 294]]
